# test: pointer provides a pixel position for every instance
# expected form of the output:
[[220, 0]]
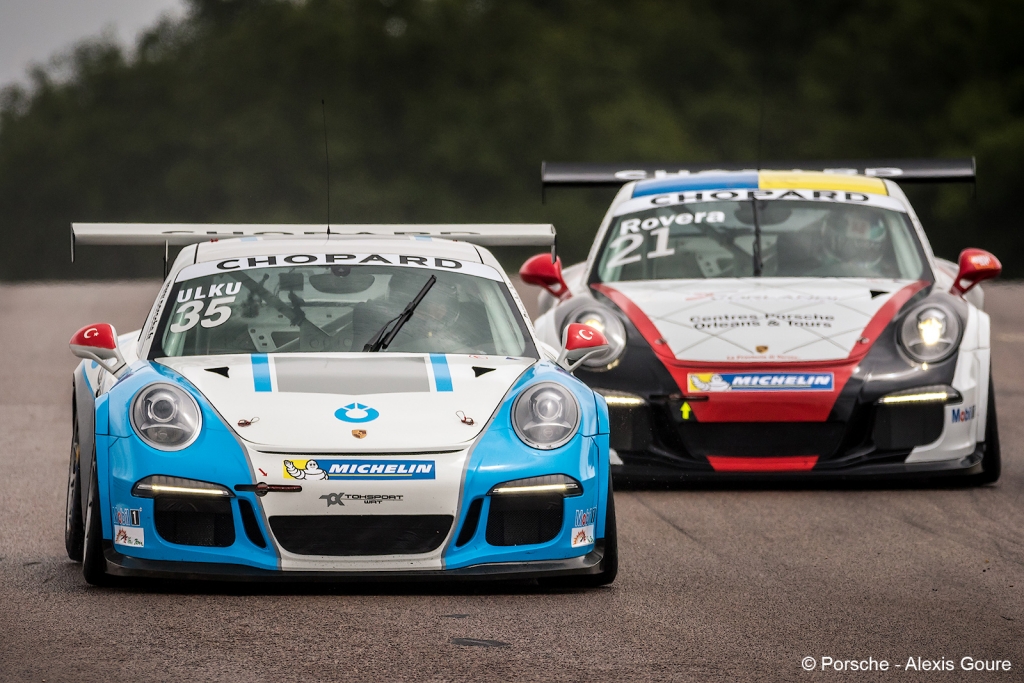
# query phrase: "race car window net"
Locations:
[[338, 309], [777, 238]]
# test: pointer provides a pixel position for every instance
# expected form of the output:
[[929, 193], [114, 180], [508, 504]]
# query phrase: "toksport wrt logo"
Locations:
[[365, 498]]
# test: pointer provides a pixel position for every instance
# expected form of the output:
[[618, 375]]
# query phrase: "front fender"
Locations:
[[499, 456]]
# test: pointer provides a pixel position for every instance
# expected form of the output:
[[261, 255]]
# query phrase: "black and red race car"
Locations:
[[779, 323]]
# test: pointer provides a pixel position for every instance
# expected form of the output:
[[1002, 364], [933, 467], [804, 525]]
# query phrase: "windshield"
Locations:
[[338, 308], [797, 239]]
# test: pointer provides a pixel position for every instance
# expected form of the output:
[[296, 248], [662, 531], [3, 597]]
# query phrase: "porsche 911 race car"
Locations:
[[779, 323], [368, 402]]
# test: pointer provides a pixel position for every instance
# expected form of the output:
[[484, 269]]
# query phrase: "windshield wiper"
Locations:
[[380, 341]]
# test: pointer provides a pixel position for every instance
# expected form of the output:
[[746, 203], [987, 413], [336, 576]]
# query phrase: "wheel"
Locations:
[[991, 462], [609, 564], [94, 565], [74, 528]]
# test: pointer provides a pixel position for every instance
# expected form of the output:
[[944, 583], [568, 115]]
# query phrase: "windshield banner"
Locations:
[[676, 198], [338, 259]]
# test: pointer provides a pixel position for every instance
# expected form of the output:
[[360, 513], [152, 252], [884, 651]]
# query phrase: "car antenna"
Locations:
[[765, 52], [327, 158], [758, 264]]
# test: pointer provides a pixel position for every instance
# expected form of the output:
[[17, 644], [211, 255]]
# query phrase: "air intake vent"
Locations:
[[249, 523], [472, 521], [194, 521], [762, 439], [902, 427], [346, 535], [524, 520]]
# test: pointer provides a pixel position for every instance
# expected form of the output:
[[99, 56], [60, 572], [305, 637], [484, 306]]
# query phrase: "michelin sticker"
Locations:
[[710, 382], [359, 469], [303, 469]]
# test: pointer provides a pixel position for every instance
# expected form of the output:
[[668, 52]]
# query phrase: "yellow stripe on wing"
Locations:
[[812, 180]]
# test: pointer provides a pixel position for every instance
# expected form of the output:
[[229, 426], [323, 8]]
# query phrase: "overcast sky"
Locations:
[[34, 30]]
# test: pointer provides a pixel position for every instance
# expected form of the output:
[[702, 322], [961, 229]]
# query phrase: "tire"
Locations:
[[94, 565], [609, 564], [991, 463], [74, 527]]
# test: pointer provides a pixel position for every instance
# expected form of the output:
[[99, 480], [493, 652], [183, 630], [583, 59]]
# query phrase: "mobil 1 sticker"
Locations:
[[712, 382]]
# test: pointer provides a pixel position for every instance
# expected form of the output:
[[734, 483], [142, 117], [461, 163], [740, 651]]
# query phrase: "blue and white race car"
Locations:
[[780, 323], [354, 402]]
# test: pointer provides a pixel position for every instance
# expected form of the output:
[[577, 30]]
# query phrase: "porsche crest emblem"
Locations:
[[359, 433], [761, 349]]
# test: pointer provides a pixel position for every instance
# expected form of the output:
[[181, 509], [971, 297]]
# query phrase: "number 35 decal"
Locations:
[[217, 313]]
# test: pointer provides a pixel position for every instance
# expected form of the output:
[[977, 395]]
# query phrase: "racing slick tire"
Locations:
[[94, 565], [609, 564], [991, 463], [74, 527]]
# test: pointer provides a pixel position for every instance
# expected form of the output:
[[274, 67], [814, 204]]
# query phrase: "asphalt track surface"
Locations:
[[714, 583]]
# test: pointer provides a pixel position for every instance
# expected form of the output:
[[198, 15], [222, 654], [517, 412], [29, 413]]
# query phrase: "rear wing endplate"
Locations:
[[182, 234], [902, 170]]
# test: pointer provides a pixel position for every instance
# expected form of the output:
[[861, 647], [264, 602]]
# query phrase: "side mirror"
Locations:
[[99, 343], [539, 270], [976, 265], [579, 342]]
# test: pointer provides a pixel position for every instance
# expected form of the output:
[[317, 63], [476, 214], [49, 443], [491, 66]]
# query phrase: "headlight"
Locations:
[[935, 393], [561, 484], [545, 416], [162, 485], [608, 324], [166, 417], [930, 333]]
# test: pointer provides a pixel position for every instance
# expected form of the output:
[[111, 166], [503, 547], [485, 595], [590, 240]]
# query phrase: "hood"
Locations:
[[759, 320], [353, 402]]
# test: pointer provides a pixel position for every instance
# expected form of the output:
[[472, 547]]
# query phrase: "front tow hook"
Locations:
[[261, 489]]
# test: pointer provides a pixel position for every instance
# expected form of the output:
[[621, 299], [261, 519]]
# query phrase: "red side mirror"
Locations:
[[99, 343], [578, 342], [976, 265], [540, 271]]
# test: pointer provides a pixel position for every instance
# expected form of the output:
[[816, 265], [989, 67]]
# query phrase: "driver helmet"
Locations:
[[855, 235]]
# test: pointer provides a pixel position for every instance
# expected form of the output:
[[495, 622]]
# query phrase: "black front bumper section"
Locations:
[[647, 473], [123, 565]]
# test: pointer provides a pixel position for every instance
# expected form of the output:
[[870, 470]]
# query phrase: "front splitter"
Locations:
[[123, 565], [644, 474]]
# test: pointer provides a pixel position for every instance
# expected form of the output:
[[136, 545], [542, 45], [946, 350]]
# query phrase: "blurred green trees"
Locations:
[[442, 110]]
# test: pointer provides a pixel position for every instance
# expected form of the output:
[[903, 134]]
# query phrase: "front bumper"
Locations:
[[646, 472], [125, 566], [655, 443], [443, 524]]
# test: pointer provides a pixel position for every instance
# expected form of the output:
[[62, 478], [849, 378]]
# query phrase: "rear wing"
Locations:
[[903, 170], [181, 234]]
